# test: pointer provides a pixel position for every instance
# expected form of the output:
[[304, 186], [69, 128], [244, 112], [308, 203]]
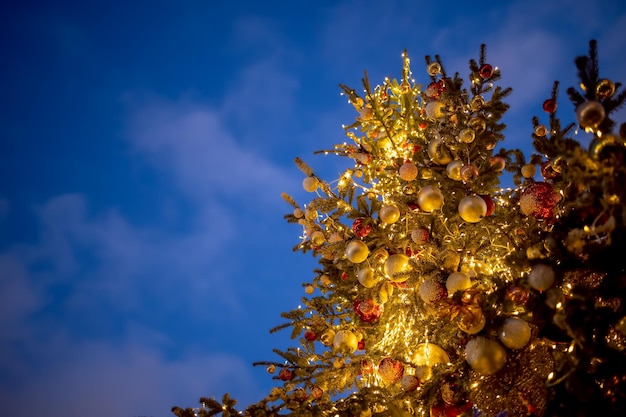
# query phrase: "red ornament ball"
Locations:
[[360, 228], [368, 310], [316, 392], [285, 374], [517, 295], [367, 367], [485, 71], [310, 335], [445, 410], [490, 205], [390, 370], [548, 171], [549, 106], [420, 235], [539, 200], [364, 306], [432, 291], [497, 162], [434, 89], [299, 394]]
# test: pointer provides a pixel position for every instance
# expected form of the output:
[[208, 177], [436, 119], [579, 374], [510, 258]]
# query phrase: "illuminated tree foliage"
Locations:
[[438, 292]]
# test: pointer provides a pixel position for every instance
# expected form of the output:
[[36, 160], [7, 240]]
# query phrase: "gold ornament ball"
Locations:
[[541, 130], [467, 135], [473, 321], [389, 213], [515, 333], [325, 280], [430, 198], [380, 255], [472, 208], [408, 171], [438, 152], [450, 259], [298, 213], [408, 188], [434, 109], [598, 145], [590, 114], [327, 337], [477, 124], [541, 277], [605, 88], [310, 184], [345, 341], [477, 103], [453, 170], [338, 363], [457, 281], [384, 292], [396, 264], [433, 68], [367, 277], [357, 251], [528, 170], [310, 214], [318, 238], [366, 113], [358, 103], [429, 354], [309, 289], [485, 356]]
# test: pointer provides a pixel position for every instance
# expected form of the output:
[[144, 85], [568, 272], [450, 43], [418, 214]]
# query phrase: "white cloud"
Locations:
[[190, 141], [111, 271], [127, 380], [89, 303]]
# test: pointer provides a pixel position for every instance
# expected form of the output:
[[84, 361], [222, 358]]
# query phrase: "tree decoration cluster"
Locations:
[[438, 293]]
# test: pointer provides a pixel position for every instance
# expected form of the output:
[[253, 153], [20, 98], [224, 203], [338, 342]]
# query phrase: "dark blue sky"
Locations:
[[143, 150]]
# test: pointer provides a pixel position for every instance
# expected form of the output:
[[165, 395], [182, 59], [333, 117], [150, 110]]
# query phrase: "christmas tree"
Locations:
[[438, 292]]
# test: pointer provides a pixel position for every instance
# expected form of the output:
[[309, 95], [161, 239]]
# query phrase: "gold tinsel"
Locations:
[[519, 387], [582, 280]]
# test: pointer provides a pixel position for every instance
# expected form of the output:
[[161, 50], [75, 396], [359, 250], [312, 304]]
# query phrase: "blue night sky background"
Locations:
[[143, 149]]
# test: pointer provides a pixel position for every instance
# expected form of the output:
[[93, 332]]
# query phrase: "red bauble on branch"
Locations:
[[539, 199], [485, 71], [360, 228], [549, 106]]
